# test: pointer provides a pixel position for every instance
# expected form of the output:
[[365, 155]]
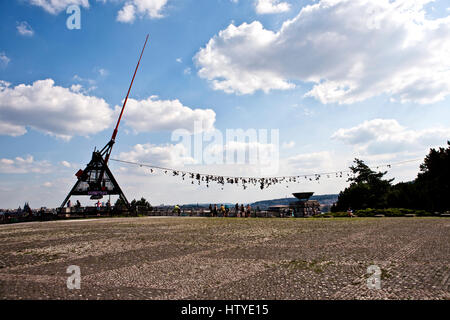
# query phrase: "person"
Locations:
[[350, 212], [227, 210], [242, 211], [108, 205], [222, 210], [249, 210], [78, 204], [236, 209], [98, 206], [176, 209], [69, 204], [210, 210], [215, 211]]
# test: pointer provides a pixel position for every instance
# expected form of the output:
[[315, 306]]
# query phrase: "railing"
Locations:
[[86, 212], [207, 213]]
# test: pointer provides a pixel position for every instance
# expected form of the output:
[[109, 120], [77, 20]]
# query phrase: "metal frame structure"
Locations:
[[96, 180]]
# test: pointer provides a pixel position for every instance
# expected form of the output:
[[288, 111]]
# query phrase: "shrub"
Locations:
[[389, 212]]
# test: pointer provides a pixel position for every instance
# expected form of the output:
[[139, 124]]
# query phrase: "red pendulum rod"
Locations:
[[107, 149]]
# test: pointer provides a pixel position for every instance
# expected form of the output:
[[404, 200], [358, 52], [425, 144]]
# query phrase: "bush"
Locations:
[[390, 212]]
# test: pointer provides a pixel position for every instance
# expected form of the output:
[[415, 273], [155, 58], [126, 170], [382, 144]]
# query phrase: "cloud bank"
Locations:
[[349, 50], [165, 115], [385, 136], [51, 109]]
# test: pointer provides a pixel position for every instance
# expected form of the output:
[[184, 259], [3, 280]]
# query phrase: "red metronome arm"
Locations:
[[113, 138]]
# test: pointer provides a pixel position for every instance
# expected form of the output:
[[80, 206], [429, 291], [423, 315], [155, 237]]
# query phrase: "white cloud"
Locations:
[[4, 60], [25, 29], [127, 13], [314, 161], [66, 164], [349, 50], [12, 129], [233, 62], [150, 8], [153, 115], [169, 155], [271, 6], [51, 109], [179, 60], [56, 6], [387, 136], [24, 165]]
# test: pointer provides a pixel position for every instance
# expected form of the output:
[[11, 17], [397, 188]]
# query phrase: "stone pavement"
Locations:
[[227, 258]]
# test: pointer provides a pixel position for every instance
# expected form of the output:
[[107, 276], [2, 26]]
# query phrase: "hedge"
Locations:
[[390, 212]]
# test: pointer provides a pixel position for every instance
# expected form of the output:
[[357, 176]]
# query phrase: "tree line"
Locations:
[[429, 191]]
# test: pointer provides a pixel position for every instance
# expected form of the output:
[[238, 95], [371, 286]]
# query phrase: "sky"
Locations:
[[306, 86]]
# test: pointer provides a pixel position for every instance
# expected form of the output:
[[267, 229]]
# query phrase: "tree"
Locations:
[[433, 180], [367, 189], [143, 204], [119, 202], [405, 195]]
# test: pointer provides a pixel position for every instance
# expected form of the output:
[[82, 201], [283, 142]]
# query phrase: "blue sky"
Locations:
[[337, 79]]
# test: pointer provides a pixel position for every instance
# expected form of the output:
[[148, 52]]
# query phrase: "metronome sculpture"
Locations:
[[97, 180]]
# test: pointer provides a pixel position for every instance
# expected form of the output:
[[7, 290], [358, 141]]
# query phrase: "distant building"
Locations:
[[301, 208]]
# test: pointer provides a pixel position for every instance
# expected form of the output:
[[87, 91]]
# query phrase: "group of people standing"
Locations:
[[224, 210]]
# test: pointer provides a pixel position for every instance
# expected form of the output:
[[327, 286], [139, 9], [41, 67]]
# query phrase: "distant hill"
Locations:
[[325, 199]]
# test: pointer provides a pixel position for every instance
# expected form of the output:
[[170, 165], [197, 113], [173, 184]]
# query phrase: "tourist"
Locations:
[[210, 210], [98, 205], [69, 204], [242, 211], [215, 211], [249, 210], [350, 212], [236, 209], [177, 210], [227, 210], [222, 210]]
